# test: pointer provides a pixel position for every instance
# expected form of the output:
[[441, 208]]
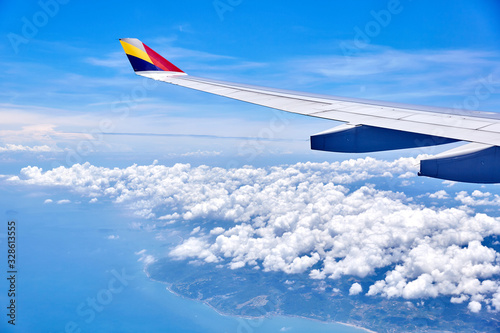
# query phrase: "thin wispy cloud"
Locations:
[[111, 60], [21, 148], [416, 73]]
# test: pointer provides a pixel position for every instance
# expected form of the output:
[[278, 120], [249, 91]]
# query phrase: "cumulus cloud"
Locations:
[[474, 306], [355, 289], [441, 194], [63, 201], [217, 231], [431, 271], [459, 300], [408, 174], [478, 198], [304, 218], [47, 201]]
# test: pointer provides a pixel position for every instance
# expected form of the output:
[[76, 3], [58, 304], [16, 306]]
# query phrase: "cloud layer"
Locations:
[[20, 148], [311, 218]]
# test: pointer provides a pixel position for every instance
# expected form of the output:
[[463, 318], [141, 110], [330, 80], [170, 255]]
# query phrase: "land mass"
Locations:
[[251, 293]]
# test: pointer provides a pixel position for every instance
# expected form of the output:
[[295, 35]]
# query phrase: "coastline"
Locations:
[[268, 315]]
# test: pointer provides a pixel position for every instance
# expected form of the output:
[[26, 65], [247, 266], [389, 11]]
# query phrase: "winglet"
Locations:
[[144, 59]]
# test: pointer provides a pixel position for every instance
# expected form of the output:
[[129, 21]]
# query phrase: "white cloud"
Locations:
[[29, 124], [111, 60], [474, 306], [144, 257], [217, 231], [63, 201], [148, 259], [480, 194], [459, 300], [448, 183], [407, 183], [383, 59], [302, 218], [113, 236], [20, 148], [478, 198], [441, 194], [428, 72], [47, 201], [408, 174], [194, 245], [198, 153], [355, 289]]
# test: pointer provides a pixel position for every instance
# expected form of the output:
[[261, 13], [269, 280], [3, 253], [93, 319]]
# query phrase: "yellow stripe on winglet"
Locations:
[[134, 51]]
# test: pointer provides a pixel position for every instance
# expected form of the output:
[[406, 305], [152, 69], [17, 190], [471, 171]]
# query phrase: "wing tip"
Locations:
[[144, 59]]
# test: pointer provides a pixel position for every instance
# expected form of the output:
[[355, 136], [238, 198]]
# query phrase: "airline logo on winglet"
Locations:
[[144, 59]]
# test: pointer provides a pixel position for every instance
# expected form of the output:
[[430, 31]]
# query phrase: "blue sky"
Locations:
[[64, 67], [69, 96]]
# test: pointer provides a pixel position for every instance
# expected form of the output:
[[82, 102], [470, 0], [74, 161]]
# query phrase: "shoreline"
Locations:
[[268, 315]]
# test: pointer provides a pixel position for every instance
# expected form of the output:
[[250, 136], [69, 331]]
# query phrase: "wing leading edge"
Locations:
[[371, 125]]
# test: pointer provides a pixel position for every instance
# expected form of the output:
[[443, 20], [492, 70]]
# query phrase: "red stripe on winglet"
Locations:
[[161, 62]]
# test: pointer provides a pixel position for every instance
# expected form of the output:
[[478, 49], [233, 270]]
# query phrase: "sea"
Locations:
[[80, 268]]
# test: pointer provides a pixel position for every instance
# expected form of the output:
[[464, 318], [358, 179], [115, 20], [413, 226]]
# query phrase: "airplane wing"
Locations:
[[370, 125]]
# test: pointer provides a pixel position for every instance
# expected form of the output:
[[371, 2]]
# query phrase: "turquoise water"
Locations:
[[68, 268]]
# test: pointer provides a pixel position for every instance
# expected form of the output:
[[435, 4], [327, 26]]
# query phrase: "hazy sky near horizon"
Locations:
[[65, 72]]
